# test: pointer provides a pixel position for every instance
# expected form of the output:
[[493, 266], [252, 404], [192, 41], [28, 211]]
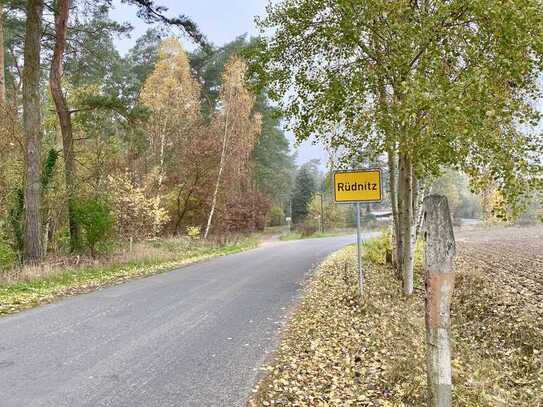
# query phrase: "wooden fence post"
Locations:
[[439, 281]]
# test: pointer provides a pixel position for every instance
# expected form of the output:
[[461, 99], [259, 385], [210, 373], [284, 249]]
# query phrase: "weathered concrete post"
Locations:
[[439, 281]]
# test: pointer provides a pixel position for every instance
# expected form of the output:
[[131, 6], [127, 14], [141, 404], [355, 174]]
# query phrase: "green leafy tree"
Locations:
[[141, 59], [274, 166], [455, 186], [334, 215], [431, 84], [96, 222], [276, 216]]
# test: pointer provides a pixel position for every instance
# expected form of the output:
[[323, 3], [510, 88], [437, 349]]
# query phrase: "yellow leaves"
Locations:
[[338, 352], [171, 85], [173, 96], [234, 123], [137, 214]]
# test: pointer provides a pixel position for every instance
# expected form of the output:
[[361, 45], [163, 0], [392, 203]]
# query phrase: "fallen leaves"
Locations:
[[338, 351]]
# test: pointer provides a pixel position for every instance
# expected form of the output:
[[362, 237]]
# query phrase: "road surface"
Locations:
[[191, 337]]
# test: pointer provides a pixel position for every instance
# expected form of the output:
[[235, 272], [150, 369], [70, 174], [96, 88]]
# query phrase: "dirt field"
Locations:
[[511, 255]]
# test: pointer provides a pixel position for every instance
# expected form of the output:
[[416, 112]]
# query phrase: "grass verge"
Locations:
[[337, 351], [162, 257]]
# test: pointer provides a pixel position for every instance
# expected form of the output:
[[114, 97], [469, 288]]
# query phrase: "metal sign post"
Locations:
[[356, 187], [359, 251]]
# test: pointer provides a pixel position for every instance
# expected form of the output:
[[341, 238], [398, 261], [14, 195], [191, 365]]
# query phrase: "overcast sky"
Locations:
[[221, 22]]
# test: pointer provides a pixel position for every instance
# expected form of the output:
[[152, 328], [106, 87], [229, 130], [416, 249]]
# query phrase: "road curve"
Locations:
[[191, 337]]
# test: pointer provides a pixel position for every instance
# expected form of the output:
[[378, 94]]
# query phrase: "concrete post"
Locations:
[[439, 280]]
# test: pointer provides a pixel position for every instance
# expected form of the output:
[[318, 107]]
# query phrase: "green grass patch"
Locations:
[[167, 255]]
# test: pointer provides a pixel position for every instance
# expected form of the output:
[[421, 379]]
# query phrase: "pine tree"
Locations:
[[304, 188]]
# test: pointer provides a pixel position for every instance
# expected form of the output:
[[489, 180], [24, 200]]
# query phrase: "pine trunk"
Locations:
[[32, 130], [405, 209], [2, 60], [64, 117]]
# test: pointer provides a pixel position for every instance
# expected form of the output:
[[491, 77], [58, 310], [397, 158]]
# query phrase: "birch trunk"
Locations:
[[46, 237], [32, 130], [64, 116], [161, 168], [396, 243], [420, 209], [2, 60], [405, 209], [415, 196], [439, 282], [219, 175]]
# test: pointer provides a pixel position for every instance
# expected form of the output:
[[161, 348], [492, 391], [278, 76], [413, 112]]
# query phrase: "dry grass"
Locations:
[[150, 251], [339, 352], [29, 286]]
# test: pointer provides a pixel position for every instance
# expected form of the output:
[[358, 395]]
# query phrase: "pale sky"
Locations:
[[221, 22]]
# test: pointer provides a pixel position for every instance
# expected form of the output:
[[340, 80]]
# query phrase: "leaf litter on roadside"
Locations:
[[337, 351]]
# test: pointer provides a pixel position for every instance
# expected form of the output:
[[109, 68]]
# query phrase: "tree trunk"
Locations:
[[415, 203], [64, 117], [439, 282], [219, 175], [161, 163], [396, 250], [46, 237], [419, 212], [405, 209], [32, 130], [2, 61]]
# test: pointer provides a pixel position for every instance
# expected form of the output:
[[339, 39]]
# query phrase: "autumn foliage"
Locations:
[[159, 162]]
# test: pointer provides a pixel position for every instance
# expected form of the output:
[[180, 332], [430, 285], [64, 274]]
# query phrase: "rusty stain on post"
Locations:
[[436, 284], [440, 249]]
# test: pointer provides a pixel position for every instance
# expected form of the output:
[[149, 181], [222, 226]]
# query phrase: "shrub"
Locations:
[[375, 249], [276, 216], [8, 256], [334, 215], [309, 227], [96, 222], [194, 232], [137, 214]]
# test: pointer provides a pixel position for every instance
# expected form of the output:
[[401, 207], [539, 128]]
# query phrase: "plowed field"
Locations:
[[513, 256]]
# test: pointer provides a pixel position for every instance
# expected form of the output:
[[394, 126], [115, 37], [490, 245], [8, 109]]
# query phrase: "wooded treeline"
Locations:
[[147, 144]]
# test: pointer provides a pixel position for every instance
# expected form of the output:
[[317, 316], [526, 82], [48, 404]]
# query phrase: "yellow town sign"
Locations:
[[358, 186]]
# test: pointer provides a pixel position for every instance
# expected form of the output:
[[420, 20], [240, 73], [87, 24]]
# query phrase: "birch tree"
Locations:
[[173, 96], [236, 126], [433, 83]]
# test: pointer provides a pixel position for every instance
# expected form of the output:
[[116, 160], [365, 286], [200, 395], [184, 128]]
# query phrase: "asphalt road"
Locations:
[[191, 337]]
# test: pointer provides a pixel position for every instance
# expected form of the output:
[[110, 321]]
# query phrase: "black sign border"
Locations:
[[379, 170]]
